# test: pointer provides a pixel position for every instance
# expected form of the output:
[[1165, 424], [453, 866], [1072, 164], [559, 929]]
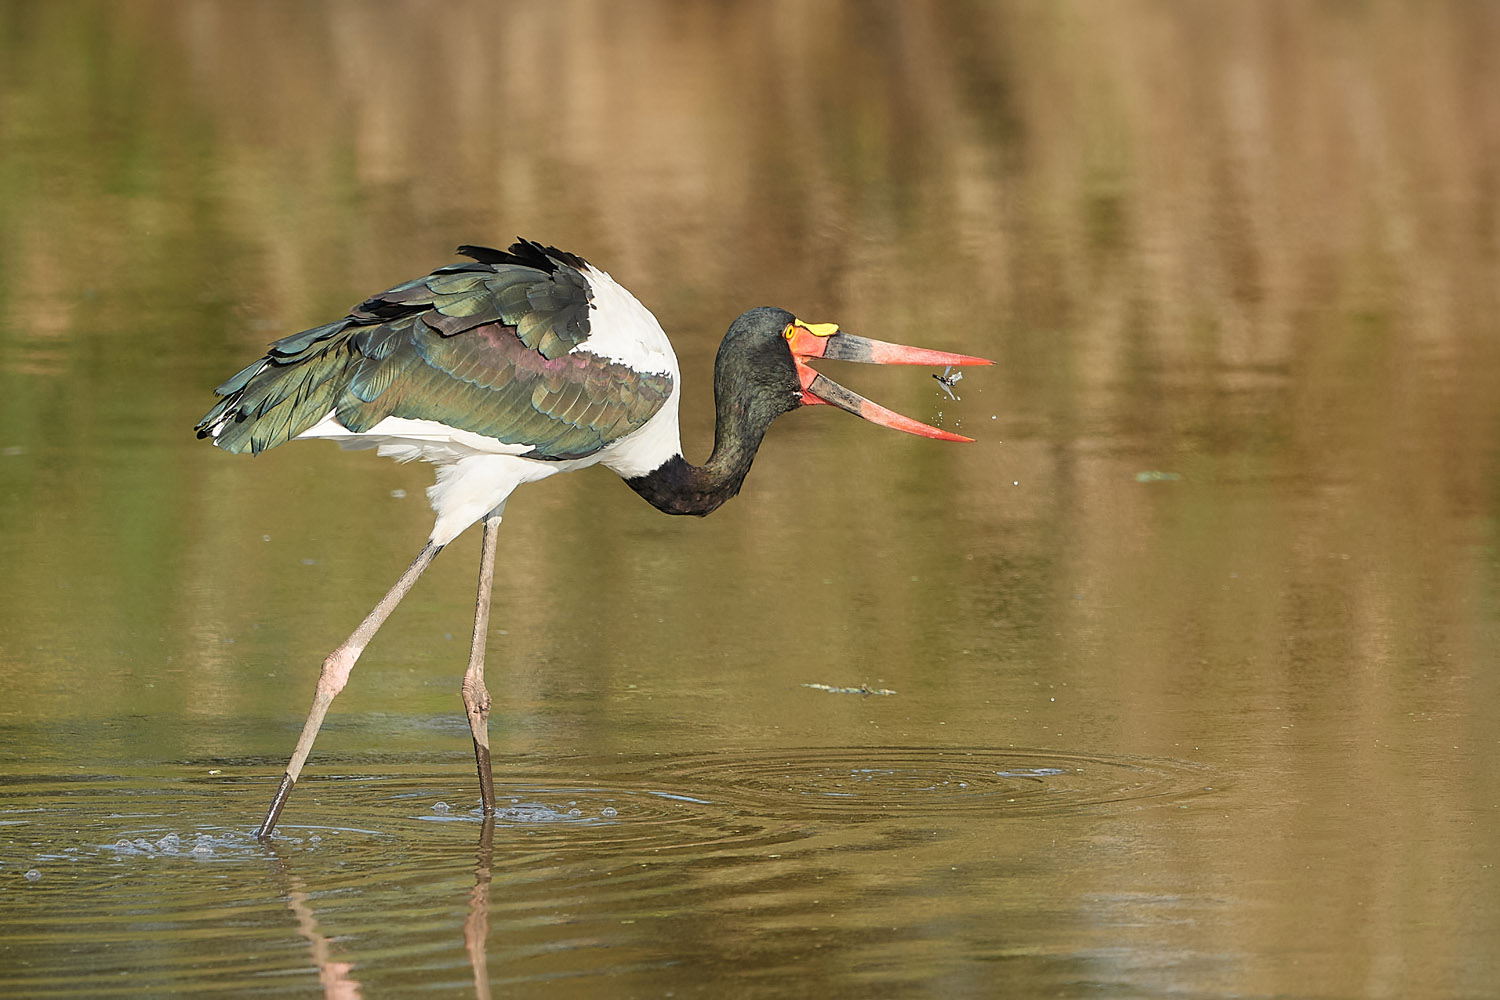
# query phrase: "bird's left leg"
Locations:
[[476, 695], [335, 674]]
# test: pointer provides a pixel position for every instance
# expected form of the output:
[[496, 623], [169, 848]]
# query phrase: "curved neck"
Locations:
[[678, 487]]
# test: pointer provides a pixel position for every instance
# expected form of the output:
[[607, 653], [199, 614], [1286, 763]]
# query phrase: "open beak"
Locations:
[[823, 340]]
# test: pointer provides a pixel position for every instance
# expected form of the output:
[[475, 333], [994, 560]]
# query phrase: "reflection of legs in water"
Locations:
[[338, 983], [337, 977], [477, 924]]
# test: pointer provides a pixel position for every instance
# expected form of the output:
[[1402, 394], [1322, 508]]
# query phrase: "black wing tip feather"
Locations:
[[527, 253]]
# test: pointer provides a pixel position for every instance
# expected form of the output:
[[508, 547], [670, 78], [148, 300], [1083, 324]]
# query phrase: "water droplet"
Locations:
[[441, 807], [609, 812], [33, 875]]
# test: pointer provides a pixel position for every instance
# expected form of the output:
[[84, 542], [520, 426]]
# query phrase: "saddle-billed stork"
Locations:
[[511, 367]]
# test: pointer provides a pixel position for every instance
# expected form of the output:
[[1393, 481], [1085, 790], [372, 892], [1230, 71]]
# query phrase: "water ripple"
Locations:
[[870, 782], [587, 854]]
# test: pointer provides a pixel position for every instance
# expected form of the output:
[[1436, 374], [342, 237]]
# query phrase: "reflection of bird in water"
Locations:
[[335, 975], [477, 923], [510, 368]]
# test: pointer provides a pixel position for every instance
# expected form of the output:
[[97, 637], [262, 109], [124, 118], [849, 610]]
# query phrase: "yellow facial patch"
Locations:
[[816, 329]]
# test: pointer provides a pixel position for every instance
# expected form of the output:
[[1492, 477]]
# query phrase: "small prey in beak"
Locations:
[[824, 340]]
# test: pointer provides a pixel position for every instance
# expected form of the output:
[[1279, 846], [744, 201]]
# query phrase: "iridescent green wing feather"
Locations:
[[482, 347]]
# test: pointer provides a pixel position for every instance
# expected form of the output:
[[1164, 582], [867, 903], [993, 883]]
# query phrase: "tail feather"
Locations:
[[273, 401]]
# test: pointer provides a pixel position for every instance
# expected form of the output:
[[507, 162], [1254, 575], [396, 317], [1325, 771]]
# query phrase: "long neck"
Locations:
[[678, 487]]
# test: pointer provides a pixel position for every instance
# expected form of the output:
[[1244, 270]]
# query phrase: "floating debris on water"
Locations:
[[862, 689], [1153, 476]]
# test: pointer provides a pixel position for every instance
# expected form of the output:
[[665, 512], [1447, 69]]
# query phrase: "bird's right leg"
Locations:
[[476, 696], [335, 675]]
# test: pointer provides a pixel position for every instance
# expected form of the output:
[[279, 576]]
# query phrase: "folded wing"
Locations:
[[497, 347]]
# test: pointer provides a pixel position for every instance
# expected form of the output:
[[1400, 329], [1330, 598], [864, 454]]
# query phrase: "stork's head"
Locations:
[[767, 351]]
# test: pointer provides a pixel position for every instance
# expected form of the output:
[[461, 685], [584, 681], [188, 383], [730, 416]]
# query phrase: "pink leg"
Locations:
[[476, 696], [335, 675]]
